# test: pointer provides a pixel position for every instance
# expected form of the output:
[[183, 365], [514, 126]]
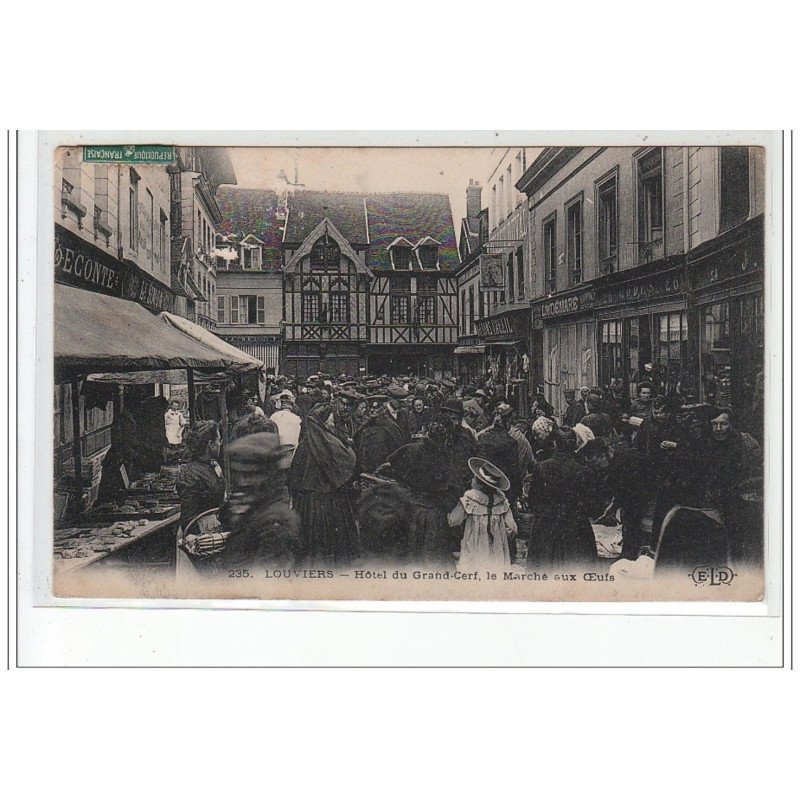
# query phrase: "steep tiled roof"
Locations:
[[253, 211], [414, 215], [344, 209]]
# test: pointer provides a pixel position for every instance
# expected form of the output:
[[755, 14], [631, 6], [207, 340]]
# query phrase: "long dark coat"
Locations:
[[376, 440], [424, 469], [499, 446], [563, 497]]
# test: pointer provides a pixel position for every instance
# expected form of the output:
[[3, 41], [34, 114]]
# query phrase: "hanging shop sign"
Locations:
[[492, 266], [654, 287], [85, 266], [575, 303]]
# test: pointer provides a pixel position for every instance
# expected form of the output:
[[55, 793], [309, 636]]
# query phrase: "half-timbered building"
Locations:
[[369, 283]]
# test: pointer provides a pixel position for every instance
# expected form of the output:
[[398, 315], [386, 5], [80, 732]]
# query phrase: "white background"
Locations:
[[200, 733]]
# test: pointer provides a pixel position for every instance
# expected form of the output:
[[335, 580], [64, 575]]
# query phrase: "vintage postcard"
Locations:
[[517, 373]]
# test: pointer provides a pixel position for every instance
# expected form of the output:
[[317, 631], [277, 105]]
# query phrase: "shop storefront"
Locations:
[[506, 355], [79, 264], [470, 360], [643, 329], [726, 281], [566, 326]]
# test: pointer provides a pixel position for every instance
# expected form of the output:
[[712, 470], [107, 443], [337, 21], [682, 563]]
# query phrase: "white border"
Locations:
[[34, 588]]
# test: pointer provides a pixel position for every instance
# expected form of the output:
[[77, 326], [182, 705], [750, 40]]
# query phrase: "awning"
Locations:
[[94, 333], [512, 343], [173, 377], [244, 362], [470, 349]]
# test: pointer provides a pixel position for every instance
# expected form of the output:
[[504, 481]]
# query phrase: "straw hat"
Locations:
[[488, 474]]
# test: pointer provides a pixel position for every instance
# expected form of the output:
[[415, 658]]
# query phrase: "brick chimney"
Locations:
[[473, 199]]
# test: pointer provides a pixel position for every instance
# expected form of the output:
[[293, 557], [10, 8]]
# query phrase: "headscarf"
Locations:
[[584, 435], [330, 455]]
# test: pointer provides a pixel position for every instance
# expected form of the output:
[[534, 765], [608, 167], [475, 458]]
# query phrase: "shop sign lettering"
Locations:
[[560, 306], [645, 289], [80, 264], [494, 326]]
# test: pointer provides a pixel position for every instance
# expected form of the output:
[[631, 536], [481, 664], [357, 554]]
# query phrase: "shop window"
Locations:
[[650, 205], [550, 257], [575, 241], [715, 354], [340, 306], [607, 224], [612, 361], [734, 192], [671, 352]]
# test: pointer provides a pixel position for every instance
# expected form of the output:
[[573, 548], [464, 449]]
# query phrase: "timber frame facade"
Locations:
[[357, 304]]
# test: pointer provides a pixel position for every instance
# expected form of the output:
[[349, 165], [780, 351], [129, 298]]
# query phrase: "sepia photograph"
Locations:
[[409, 373]]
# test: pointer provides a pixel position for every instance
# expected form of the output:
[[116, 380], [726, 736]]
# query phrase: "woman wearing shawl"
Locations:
[[319, 479]]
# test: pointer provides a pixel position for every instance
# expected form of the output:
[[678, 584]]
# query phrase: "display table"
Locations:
[[82, 546]]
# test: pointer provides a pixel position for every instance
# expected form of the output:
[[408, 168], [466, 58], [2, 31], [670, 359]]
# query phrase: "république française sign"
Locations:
[[129, 154], [81, 264]]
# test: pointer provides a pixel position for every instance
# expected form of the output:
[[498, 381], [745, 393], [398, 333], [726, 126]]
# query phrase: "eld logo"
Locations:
[[712, 576]]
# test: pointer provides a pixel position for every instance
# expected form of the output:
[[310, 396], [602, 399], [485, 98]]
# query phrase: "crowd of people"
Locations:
[[332, 471]]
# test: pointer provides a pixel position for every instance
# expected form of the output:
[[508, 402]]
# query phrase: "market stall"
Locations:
[[106, 340]]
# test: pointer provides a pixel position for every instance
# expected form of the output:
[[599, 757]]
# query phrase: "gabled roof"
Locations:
[[252, 238], [326, 227], [414, 216], [377, 221], [401, 241], [427, 240], [252, 211], [344, 209]]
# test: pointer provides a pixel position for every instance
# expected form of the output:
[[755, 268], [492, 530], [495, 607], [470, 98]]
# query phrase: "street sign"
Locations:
[[129, 154]]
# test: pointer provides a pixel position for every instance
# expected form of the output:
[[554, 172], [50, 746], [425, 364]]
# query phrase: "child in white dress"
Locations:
[[484, 512]]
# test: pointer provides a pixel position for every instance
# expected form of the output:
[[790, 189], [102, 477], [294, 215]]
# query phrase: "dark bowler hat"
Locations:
[[488, 473]]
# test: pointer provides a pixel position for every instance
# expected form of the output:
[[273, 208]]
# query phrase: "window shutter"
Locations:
[[260, 310], [234, 309]]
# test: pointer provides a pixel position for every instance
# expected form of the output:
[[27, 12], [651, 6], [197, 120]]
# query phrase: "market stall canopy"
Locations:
[[94, 332], [243, 362]]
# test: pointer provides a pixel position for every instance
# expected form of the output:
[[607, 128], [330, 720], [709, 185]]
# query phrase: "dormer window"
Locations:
[[401, 251], [428, 253], [251, 256], [325, 254]]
